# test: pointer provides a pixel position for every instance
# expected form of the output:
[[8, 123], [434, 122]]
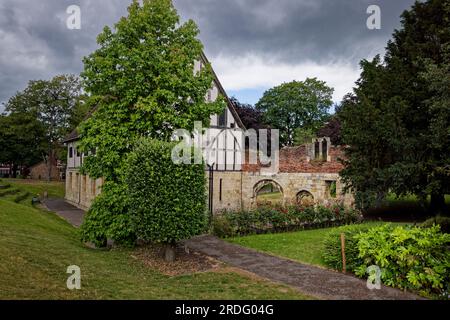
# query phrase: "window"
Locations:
[[70, 152], [220, 190], [223, 119], [78, 153], [93, 187], [331, 189]]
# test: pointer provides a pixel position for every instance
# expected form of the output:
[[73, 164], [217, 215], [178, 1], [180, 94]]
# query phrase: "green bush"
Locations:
[[409, 257], [167, 200], [270, 219], [444, 222], [332, 254], [108, 218]]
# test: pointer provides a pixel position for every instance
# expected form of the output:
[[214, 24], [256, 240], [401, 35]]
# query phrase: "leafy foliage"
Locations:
[[396, 121], [250, 116], [443, 222], [167, 200], [40, 117], [409, 257], [332, 129], [332, 255], [108, 218], [270, 219], [142, 84], [296, 105]]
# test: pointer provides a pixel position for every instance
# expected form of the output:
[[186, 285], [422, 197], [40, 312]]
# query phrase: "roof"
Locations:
[[74, 135]]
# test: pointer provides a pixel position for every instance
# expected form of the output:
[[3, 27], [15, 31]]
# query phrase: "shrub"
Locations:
[[409, 257], [108, 218], [444, 222], [266, 219], [332, 254], [167, 200]]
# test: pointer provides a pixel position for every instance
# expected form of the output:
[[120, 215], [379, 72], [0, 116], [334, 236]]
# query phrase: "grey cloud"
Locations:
[[35, 43]]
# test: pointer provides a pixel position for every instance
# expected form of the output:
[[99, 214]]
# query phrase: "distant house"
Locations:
[[4, 171], [40, 171]]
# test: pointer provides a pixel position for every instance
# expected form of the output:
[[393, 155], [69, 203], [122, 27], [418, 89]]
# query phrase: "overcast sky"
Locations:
[[253, 45]]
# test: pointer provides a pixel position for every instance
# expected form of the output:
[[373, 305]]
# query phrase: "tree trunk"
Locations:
[[14, 171], [438, 205], [169, 252]]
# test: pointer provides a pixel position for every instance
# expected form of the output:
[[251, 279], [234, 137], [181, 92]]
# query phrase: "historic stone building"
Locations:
[[304, 173]]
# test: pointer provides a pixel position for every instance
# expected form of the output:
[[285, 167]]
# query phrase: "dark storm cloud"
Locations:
[[35, 43]]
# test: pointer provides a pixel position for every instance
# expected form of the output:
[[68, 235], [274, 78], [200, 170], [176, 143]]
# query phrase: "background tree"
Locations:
[[250, 116], [296, 105], [21, 140], [56, 104], [142, 83], [395, 120], [332, 129]]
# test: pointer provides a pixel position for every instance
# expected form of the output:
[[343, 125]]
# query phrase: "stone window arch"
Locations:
[[268, 191], [305, 198]]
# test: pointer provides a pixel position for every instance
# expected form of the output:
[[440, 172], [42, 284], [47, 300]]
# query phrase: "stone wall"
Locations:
[[40, 172], [81, 190]]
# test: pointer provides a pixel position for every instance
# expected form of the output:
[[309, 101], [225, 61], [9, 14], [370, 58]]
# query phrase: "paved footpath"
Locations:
[[65, 210], [310, 280]]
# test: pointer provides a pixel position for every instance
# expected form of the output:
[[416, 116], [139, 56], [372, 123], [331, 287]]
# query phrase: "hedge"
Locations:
[[167, 200], [278, 219]]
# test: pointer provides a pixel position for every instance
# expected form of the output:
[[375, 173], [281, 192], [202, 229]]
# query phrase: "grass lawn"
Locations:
[[36, 247], [303, 246], [35, 187]]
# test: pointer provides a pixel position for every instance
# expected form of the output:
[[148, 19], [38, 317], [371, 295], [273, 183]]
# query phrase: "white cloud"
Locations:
[[252, 72]]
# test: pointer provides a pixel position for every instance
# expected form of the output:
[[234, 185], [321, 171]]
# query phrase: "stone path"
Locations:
[[65, 210], [310, 280]]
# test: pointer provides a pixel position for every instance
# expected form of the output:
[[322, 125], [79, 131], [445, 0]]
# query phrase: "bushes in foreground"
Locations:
[[409, 257], [332, 255], [278, 219]]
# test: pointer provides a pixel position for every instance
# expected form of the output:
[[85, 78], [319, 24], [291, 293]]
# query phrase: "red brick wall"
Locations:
[[294, 160]]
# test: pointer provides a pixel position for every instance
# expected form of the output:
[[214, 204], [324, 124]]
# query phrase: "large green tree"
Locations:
[[297, 104], [396, 121], [56, 104], [142, 83]]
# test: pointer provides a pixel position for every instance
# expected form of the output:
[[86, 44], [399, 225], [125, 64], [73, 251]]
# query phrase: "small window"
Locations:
[[331, 189], [223, 119], [78, 153], [70, 152], [220, 190]]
